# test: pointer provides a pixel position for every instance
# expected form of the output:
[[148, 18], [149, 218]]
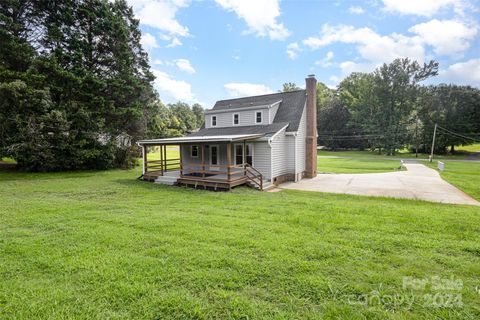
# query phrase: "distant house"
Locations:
[[258, 141]]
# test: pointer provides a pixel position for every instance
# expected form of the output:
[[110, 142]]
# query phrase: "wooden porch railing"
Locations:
[[254, 176], [204, 170], [163, 165], [222, 173]]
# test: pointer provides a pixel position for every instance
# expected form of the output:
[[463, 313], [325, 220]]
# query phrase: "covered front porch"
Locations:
[[213, 162]]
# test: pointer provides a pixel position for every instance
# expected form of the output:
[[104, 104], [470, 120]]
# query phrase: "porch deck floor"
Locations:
[[219, 176]]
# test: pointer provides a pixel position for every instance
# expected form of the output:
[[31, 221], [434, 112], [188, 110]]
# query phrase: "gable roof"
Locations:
[[289, 111]]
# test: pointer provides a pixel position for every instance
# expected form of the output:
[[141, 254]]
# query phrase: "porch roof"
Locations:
[[197, 139]]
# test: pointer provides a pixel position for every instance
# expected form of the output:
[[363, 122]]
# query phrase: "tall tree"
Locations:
[[87, 62], [289, 86], [455, 108], [396, 88]]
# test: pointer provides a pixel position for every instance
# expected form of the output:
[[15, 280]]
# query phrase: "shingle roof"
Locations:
[[268, 129], [290, 109]]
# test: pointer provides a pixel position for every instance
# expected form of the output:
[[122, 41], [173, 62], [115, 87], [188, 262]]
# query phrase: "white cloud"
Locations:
[[348, 67], [447, 37], [260, 16], [467, 73], [246, 89], [356, 10], [184, 65], [425, 8], [177, 89], [371, 46], [175, 42], [148, 41], [326, 61], [160, 14], [292, 50], [334, 79]]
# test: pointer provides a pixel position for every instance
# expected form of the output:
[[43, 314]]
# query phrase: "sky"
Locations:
[[204, 51]]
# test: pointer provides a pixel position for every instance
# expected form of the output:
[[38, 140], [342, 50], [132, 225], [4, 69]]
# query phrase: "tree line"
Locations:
[[76, 87], [388, 110]]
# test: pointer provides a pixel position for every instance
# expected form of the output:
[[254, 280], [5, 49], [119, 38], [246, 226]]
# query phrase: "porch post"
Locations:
[[161, 160], [203, 160], [229, 159], [244, 157], [144, 159], [181, 160], [165, 156]]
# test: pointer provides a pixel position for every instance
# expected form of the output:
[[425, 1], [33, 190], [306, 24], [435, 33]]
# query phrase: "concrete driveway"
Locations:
[[418, 182]]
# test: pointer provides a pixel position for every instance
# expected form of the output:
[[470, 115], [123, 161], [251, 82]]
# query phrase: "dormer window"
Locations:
[[236, 119], [258, 117], [214, 121]]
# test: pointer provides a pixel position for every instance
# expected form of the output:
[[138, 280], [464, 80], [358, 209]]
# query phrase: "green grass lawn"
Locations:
[[470, 148], [356, 165], [462, 152], [172, 153], [7, 160], [104, 245], [463, 175]]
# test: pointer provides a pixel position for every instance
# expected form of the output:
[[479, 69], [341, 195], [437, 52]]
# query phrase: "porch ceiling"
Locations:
[[197, 139]]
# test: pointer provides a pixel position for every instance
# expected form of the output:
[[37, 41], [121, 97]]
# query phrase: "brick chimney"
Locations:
[[311, 140]]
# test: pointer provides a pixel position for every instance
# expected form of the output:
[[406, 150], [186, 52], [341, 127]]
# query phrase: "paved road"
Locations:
[[418, 182]]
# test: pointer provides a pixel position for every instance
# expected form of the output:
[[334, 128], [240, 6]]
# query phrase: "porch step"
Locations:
[[266, 185], [168, 180]]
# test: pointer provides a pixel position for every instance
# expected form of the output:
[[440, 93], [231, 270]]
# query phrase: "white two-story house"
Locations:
[[259, 141]]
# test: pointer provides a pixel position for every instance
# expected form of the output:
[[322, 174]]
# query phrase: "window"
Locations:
[[236, 118], [194, 151], [214, 121], [214, 156], [258, 117], [249, 157], [239, 154]]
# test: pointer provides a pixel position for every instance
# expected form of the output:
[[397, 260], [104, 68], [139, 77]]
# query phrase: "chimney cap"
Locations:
[[311, 76]]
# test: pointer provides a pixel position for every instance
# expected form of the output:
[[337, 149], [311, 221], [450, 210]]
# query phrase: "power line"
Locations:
[[457, 134]]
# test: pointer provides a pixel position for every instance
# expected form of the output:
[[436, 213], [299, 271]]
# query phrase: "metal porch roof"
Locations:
[[196, 139]]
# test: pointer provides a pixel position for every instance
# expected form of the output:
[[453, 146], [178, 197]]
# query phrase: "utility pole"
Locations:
[[433, 142], [416, 136]]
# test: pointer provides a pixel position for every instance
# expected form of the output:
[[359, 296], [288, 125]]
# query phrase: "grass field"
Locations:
[[104, 245], [462, 152], [463, 175], [356, 165]]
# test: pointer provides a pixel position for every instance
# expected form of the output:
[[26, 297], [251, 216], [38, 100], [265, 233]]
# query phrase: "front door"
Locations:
[[214, 158]]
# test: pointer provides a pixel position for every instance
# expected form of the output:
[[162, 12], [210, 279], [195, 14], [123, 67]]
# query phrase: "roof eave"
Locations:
[[198, 139]]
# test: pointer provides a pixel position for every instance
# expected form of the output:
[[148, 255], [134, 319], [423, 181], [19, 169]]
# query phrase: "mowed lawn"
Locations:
[[462, 152], [331, 164], [96, 245], [463, 175]]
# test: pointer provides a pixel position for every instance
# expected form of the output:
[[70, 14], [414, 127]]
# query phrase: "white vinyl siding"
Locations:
[[272, 112], [262, 158], [245, 117], [225, 119], [280, 154], [300, 144]]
